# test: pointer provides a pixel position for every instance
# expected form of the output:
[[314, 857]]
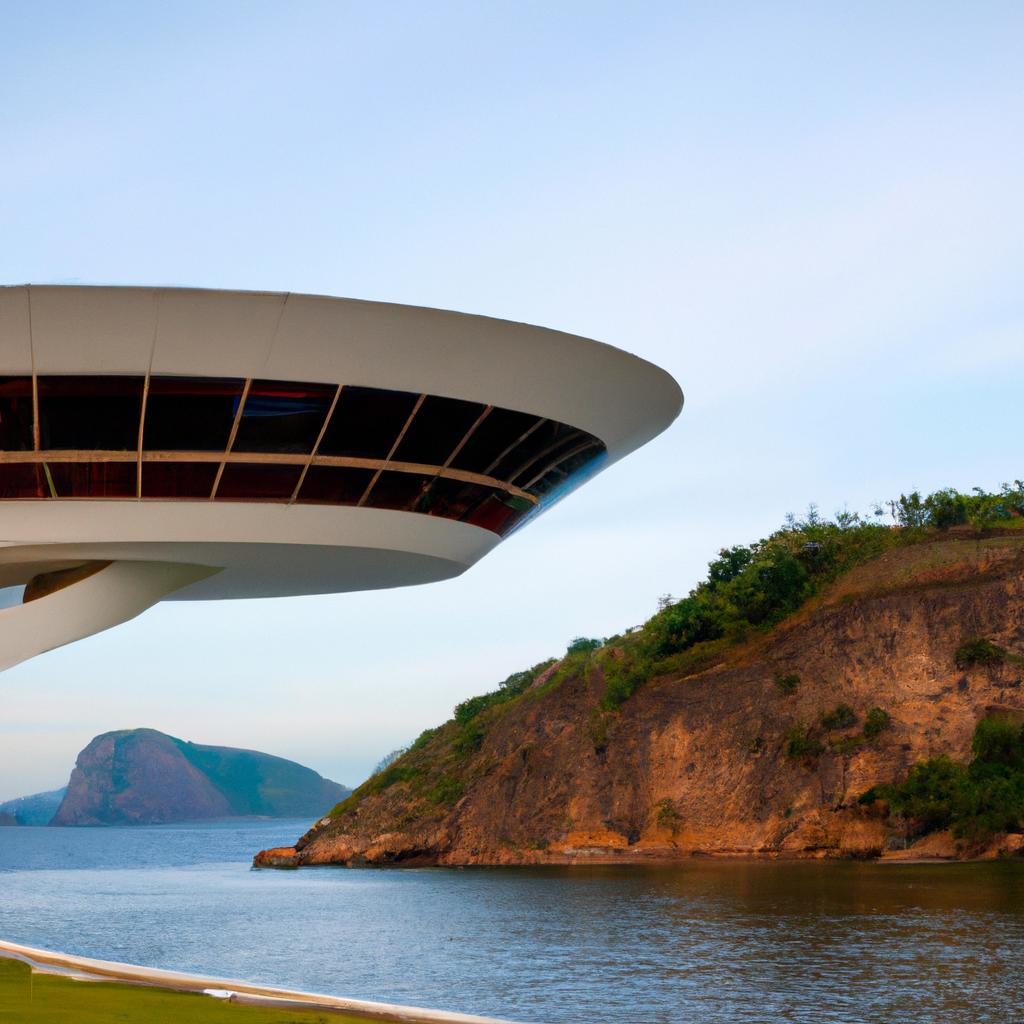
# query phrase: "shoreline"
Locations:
[[87, 969], [923, 852]]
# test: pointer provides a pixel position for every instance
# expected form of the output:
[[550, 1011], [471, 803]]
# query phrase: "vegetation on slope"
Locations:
[[256, 784], [976, 800], [748, 589]]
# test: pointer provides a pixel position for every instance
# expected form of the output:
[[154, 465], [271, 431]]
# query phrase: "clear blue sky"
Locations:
[[811, 214]]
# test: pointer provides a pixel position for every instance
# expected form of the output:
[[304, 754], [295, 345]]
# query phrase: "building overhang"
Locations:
[[86, 524]]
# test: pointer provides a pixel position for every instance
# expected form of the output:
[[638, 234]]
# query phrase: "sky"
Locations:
[[810, 214]]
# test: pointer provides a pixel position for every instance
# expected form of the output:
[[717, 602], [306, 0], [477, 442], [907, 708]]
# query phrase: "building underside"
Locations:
[[171, 443]]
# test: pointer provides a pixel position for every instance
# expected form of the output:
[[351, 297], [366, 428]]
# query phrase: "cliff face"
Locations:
[[703, 763], [141, 776]]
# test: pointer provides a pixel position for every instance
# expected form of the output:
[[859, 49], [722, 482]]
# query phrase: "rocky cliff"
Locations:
[[141, 776], [739, 752]]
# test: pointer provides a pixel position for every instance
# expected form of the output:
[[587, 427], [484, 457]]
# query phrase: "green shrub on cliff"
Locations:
[[753, 587], [667, 816], [447, 790], [597, 727], [787, 683], [842, 716], [423, 739], [948, 507], [975, 800], [389, 759], [759, 584], [469, 738], [507, 690], [802, 744], [622, 679], [399, 771], [876, 722], [979, 651], [756, 586], [997, 743]]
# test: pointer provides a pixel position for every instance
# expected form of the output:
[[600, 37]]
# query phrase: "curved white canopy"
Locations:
[[246, 548], [56, 329]]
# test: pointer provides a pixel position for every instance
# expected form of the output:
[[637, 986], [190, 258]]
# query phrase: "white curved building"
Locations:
[[164, 442]]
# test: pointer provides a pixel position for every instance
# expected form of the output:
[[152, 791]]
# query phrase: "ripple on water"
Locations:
[[705, 941]]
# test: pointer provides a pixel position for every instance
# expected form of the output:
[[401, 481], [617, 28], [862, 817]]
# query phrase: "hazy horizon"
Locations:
[[810, 216]]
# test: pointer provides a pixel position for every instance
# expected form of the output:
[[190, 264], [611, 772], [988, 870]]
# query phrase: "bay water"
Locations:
[[706, 941]]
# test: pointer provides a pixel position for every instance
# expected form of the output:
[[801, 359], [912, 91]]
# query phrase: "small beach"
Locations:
[[37, 984]]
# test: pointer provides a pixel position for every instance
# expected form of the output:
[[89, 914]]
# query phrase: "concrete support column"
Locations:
[[61, 612]]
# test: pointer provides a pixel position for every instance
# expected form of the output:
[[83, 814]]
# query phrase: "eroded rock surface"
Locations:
[[698, 764]]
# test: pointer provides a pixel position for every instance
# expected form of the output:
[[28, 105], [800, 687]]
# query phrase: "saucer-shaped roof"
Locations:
[[293, 443]]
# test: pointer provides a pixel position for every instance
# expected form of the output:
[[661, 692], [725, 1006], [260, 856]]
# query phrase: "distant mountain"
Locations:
[[37, 809], [145, 777]]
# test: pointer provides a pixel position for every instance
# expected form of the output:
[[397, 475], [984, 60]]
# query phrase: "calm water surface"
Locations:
[[707, 941]]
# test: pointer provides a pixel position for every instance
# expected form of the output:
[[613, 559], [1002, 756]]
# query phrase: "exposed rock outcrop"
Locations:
[[702, 763]]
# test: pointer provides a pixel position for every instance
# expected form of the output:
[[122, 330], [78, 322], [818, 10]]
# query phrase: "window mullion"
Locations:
[[316, 446], [231, 437], [394, 448]]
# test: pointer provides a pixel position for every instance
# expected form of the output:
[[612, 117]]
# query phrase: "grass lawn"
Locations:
[[42, 998]]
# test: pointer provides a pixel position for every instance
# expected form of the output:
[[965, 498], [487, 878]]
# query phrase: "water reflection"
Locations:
[[705, 941]]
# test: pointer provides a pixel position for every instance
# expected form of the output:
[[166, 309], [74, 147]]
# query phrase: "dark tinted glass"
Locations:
[[498, 513], [190, 415], [282, 417], [335, 485], [524, 452], [538, 462], [366, 422], [258, 483], [178, 479], [16, 414], [439, 426], [23, 482], [98, 413], [501, 429], [197, 414], [563, 473], [93, 479], [398, 490], [565, 451], [451, 499]]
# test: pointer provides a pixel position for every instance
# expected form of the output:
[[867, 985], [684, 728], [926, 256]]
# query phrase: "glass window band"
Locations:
[[226, 439]]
